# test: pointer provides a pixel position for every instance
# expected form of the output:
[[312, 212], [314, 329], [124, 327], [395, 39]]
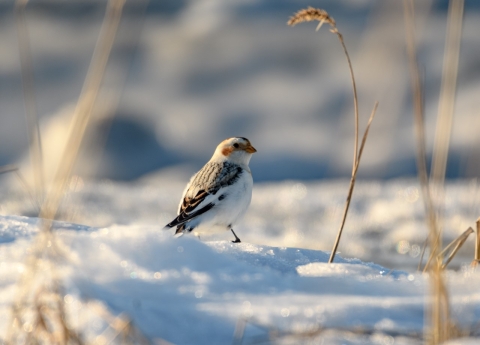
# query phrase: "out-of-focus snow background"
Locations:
[[184, 75]]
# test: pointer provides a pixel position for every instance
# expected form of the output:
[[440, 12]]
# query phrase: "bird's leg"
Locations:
[[237, 240]]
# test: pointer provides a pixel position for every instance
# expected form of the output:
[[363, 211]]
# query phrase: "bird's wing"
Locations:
[[201, 194], [190, 208]]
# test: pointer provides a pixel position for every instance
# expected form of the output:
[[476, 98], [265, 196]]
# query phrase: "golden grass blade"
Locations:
[[84, 108], [352, 186], [458, 242], [439, 311], [8, 168], [445, 112], [23, 182], [477, 243], [37, 284], [419, 125], [476, 257], [315, 14], [33, 128], [446, 102]]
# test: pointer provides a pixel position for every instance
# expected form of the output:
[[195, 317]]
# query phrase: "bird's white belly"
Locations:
[[230, 210]]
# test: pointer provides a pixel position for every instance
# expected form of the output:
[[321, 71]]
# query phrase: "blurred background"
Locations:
[[185, 75]]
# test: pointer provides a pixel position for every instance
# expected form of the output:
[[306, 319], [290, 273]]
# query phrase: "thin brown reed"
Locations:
[[352, 185], [476, 256], [34, 323], [84, 108], [315, 14], [441, 326], [456, 244], [26, 64]]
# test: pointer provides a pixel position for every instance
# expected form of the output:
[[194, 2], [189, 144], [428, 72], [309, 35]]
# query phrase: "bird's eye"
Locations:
[[236, 145]]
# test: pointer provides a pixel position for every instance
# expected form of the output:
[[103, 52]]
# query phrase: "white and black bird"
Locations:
[[219, 194]]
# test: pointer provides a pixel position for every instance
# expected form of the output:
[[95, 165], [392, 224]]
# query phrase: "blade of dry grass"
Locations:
[[476, 257], [84, 108], [445, 111], [314, 14], [446, 101], [8, 168], [45, 251], [352, 186], [33, 128], [477, 243], [419, 125], [23, 182], [458, 243], [439, 313]]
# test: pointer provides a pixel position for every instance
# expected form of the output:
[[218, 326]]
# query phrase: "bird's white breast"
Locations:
[[231, 209]]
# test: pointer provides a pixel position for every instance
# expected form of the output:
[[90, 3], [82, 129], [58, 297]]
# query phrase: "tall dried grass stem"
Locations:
[[458, 243], [315, 14], [352, 185], [446, 101], [419, 125], [23, 183], [33, 128], [36, 285], [477, 242], [85, 105], [439, 313]]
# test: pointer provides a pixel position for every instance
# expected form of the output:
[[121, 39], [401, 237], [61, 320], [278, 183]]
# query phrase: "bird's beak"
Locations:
[[250, 149]]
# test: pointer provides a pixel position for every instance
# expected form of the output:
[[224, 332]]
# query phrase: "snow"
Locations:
[[187, 291]]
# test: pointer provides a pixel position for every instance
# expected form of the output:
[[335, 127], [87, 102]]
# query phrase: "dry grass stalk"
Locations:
[[38, 313], [445, 110], [419, 125], [35, 142], [441, 326], [352, 185], [458, 243], [23, 182], [446, 101], [120, 326], [7, 168], [34, 323], [314, 14], [84, 108], [476, 258]]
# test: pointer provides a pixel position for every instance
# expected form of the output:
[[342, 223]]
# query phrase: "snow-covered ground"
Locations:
[[385, 224], [187, 291]]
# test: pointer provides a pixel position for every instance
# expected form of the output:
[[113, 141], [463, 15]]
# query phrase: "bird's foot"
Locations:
[[237, 240]]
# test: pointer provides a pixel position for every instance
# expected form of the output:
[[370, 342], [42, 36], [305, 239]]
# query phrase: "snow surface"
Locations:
[[385, 225], [187, 291]]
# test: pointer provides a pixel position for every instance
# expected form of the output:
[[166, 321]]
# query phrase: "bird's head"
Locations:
[[236, 149]]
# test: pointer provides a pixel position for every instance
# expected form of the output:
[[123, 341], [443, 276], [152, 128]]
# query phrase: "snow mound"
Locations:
[[191, 292]]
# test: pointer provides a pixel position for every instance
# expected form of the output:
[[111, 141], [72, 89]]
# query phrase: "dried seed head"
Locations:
[[310, 14]]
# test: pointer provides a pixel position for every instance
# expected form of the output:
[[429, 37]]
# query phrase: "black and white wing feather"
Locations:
[[202, 194]]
